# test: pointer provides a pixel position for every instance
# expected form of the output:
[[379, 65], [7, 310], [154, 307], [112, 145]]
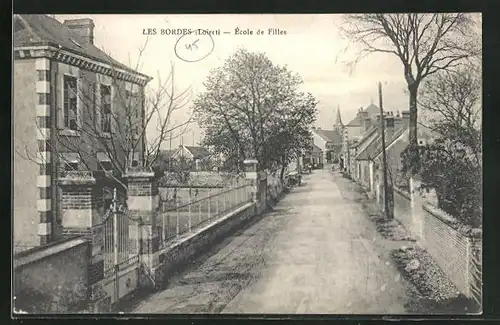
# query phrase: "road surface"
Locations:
[[317, 252]]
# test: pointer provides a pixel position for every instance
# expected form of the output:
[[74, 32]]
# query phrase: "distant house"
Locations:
[[329, 142], [196, 154], [370, 147], [362, 122], [165, 160], [367, 167]]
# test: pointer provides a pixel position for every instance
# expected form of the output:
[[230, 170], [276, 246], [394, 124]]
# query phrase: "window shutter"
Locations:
[[60, 100]]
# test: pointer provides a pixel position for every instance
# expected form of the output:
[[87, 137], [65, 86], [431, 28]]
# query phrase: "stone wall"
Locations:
[[176, 256], [52, 278]]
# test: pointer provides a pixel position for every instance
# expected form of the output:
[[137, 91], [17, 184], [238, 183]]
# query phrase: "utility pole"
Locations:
[[384, 156]]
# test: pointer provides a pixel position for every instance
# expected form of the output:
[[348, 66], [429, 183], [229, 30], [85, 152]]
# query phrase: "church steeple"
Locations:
[[338, 122]]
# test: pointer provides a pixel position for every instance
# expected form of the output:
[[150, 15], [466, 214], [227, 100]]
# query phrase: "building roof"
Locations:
[[198, 152], [374, 148], [329, 135], [167, 154], [372, 110], [33, 30], [356, 121], [366, 135]]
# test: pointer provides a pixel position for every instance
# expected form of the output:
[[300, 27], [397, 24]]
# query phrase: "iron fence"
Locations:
[[180, 218], [120, 250]]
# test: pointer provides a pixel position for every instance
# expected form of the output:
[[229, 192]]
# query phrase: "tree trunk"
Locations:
[[282, 173], [413, 89]]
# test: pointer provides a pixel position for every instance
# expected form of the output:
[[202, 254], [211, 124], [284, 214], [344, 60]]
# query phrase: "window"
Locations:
[[70, 166], [105, 165], [132, 103], [106, 108], [70, 103]]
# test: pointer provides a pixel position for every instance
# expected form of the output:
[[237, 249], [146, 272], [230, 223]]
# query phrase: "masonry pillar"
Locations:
[[44, 157], [143, 204], [82, 211], [252, 175], [416, 207]]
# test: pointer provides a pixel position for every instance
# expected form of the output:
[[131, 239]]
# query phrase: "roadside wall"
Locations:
[[52, 278]]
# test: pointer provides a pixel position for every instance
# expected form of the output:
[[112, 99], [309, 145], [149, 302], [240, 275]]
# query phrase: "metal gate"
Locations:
[[120, 251]]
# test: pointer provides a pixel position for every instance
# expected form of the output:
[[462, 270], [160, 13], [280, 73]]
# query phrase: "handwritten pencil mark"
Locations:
[[194, 48]]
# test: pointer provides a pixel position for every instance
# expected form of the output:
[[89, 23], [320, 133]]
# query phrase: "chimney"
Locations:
[[398, 122], [367, 123], [389, 128], [83, 27], [405, 116]]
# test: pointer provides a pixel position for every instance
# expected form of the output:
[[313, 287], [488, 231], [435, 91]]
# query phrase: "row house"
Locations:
[[75, 108], [354, 131], [367, 167]]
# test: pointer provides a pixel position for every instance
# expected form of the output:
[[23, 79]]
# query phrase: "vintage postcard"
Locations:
[[237, 163]]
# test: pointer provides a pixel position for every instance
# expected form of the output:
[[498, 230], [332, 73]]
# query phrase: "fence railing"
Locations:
[[182, 218], [120, 250]]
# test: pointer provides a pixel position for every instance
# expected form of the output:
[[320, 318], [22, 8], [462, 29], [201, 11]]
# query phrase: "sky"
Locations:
[[312, 47]]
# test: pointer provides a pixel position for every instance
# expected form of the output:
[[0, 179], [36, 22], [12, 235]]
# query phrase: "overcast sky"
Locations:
[[311, 47]]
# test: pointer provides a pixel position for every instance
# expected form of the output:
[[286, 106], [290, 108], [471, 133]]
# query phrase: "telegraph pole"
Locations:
[[384, 156]]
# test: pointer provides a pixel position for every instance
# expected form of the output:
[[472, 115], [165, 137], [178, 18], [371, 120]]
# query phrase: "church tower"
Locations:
[[338, 126]]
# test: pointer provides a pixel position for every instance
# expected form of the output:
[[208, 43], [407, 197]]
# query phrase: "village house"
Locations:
[[353, 132], [197, 155], [366, 166], [64, 86], [329, 142]]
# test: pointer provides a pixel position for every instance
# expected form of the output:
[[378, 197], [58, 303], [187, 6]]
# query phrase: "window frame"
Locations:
[[66, 123], [102, 115]]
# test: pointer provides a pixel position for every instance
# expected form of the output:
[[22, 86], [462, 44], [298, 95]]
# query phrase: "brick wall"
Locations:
[[448, 247], [53, 278], [448, 244]]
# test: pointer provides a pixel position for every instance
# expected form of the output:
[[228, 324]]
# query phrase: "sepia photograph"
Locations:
[[247, 164]]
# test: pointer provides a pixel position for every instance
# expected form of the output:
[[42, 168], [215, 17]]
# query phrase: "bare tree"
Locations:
[[425, 44], [452, 163], [453, 101], [250, 106], [118, 122]]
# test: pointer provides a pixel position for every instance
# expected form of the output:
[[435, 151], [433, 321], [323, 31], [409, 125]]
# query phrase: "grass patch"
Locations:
[[390, 229], [434, 293]]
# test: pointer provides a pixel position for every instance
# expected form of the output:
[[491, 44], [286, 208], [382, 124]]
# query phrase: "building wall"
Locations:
[[354, 132], [25, 192], [393, 152], [74, 141], [319, 141]]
